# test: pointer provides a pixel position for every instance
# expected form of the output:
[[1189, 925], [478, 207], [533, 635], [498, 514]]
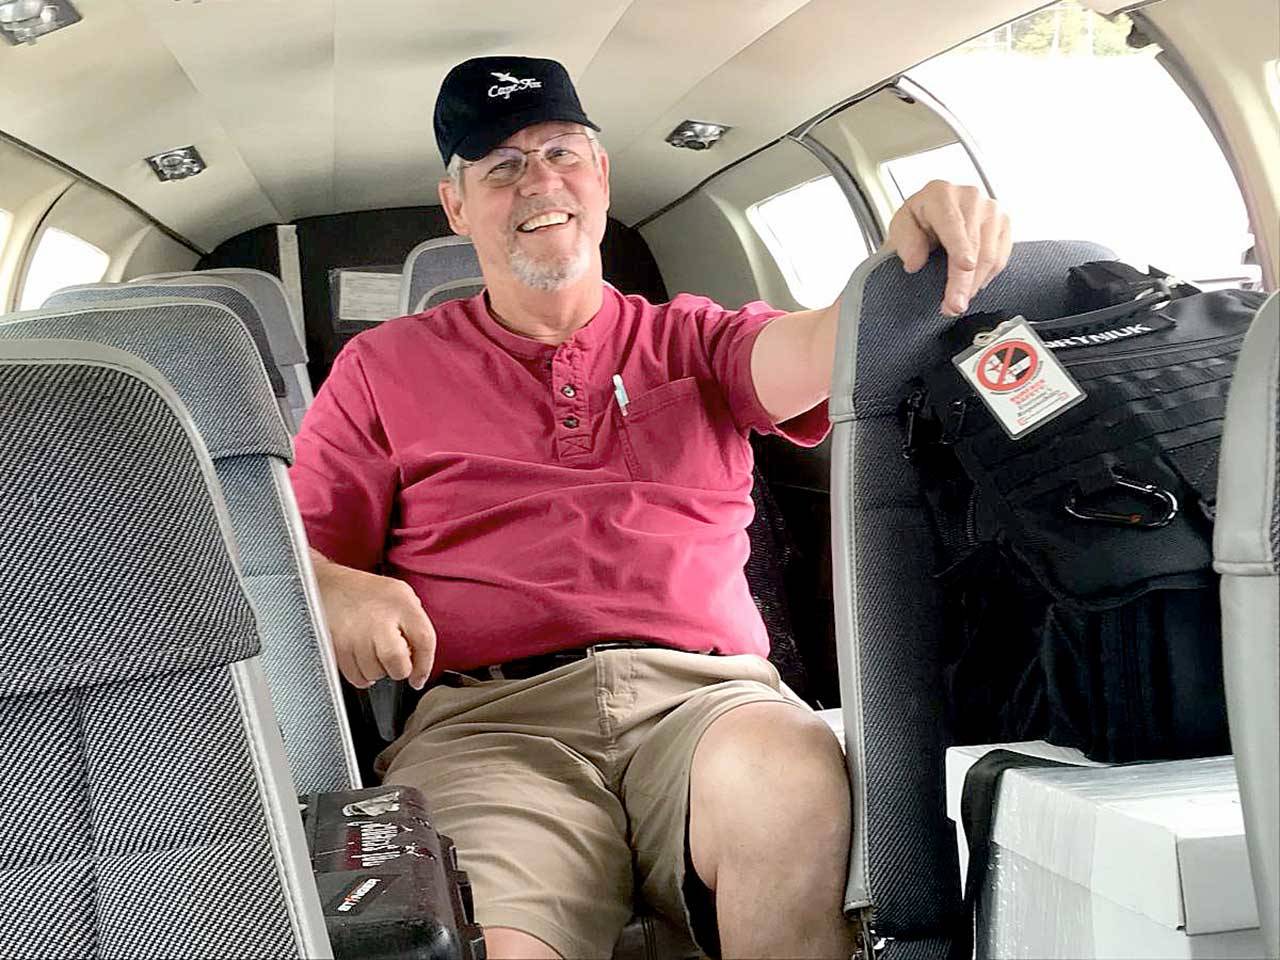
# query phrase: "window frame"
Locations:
[[1177, 69], [33, 256], [1184, 77], [781, 251], [914, 90], [6, 227], [890, 177]]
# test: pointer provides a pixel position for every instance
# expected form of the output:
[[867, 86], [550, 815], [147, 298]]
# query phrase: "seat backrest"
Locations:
[[285, 330], [1246, 549], [888, 607], [435, 262], [147, 805], [226, 295], [210, 360], [285, 327], [453, 290]]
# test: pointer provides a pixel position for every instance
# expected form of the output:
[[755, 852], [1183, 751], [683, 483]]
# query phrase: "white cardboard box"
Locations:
[[1142, 860]]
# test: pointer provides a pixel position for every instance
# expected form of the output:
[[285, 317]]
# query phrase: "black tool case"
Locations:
[[390, 884]]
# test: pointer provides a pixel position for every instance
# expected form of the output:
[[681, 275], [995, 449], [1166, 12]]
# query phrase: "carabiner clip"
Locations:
[[1137, 520]]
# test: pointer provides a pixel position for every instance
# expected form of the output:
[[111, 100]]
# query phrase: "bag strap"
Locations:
[[1152, 300], [977, 813]]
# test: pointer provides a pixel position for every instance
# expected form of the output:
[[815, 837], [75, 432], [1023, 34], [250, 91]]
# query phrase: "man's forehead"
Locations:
[[538, 132]]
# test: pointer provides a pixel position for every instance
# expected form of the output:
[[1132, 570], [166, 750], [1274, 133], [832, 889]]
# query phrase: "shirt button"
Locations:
[[568, 390], [570, 422]]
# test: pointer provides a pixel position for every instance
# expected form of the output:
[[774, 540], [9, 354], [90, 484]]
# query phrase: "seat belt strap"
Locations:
[[977, 813]]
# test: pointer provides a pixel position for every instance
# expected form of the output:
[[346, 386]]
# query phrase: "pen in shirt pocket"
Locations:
[[620, 393]]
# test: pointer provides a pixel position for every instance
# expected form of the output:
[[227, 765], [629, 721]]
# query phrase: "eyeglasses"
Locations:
[[504, 166]]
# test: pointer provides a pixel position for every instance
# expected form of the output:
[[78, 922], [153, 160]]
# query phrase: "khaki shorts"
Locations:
[[567, 794]]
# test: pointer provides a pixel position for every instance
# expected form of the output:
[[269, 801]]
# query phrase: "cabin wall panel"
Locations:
[[156, 252]]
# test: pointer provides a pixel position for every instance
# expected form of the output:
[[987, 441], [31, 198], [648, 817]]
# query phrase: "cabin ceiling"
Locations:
[[307, 107]]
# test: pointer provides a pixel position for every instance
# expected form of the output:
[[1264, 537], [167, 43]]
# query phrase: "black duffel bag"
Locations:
[[1081, 604]]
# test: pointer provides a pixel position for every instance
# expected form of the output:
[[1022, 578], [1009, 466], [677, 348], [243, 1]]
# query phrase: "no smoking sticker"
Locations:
[[1018, 378], [1007, 366]]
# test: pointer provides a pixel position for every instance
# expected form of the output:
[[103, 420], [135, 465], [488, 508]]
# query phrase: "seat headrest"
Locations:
[[225, 294], [284, 330], [201, 348], [894, 318], [435, 262], [1246, 534], [115, 556], [454, 290]]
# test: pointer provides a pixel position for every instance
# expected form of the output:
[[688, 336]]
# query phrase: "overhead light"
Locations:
[[696, 135], [22, 21], [177, 164]]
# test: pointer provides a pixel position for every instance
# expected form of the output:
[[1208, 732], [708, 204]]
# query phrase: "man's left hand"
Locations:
[[967, 224]]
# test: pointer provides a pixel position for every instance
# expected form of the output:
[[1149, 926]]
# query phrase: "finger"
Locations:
[[367, 661], [960, 288], [947, 221], [974, 208], [943, 215], [1004, 244], [909, 240], [393, 654], [348, 668], [420, 633], [988, 251]]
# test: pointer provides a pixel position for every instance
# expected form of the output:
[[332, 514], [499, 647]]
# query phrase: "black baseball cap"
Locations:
[[485, 100]]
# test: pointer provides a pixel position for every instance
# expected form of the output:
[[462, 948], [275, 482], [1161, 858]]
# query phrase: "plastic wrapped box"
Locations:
[[1140, 860]]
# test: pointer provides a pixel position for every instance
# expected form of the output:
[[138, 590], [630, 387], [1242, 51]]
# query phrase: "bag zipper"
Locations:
[[971, 519]]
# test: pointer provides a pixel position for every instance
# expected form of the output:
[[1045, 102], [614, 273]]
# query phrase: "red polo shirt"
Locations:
[[500, 478]]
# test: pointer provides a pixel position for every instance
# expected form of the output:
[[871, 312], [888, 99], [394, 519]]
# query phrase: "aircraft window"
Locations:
[[1083, 137], [61, 260], [814, 237], [951, 163]]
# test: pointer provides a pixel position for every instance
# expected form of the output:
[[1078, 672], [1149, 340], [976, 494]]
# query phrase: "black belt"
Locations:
[[527, 667]]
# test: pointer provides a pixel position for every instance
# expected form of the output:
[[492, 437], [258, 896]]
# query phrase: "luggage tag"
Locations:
[[1019, 379]]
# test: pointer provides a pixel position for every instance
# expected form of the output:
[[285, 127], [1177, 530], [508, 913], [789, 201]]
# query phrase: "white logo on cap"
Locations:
[[508, 85]]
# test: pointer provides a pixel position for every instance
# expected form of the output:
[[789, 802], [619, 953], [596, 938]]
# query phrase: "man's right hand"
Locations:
[[377, 625]]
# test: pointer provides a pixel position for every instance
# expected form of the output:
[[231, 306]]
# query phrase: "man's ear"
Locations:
[[451, 200]]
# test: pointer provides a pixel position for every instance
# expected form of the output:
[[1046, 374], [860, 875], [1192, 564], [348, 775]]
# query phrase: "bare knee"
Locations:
[[503, 943], [767, 777], [767, 754]]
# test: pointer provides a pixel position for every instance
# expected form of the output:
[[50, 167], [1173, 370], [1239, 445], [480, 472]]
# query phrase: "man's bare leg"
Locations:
[[503, 943], [769, 823]]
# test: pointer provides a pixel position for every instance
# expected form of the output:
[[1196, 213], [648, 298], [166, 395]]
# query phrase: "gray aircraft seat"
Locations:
[[285, 330], [903, 862], [453, 290], [1246, 549], [213, 364], [147, 805], [226, 294], [434, 262]]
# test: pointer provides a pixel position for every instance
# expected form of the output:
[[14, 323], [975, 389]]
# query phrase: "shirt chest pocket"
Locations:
[[681, 433]]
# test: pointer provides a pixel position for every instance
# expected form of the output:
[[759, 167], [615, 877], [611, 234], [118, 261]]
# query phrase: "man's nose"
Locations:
[[539, 176]]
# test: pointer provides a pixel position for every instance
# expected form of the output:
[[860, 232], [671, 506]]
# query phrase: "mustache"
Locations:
[[533, 206]]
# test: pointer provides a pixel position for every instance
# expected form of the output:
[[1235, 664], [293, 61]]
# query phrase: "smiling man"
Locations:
[[537, 500]]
